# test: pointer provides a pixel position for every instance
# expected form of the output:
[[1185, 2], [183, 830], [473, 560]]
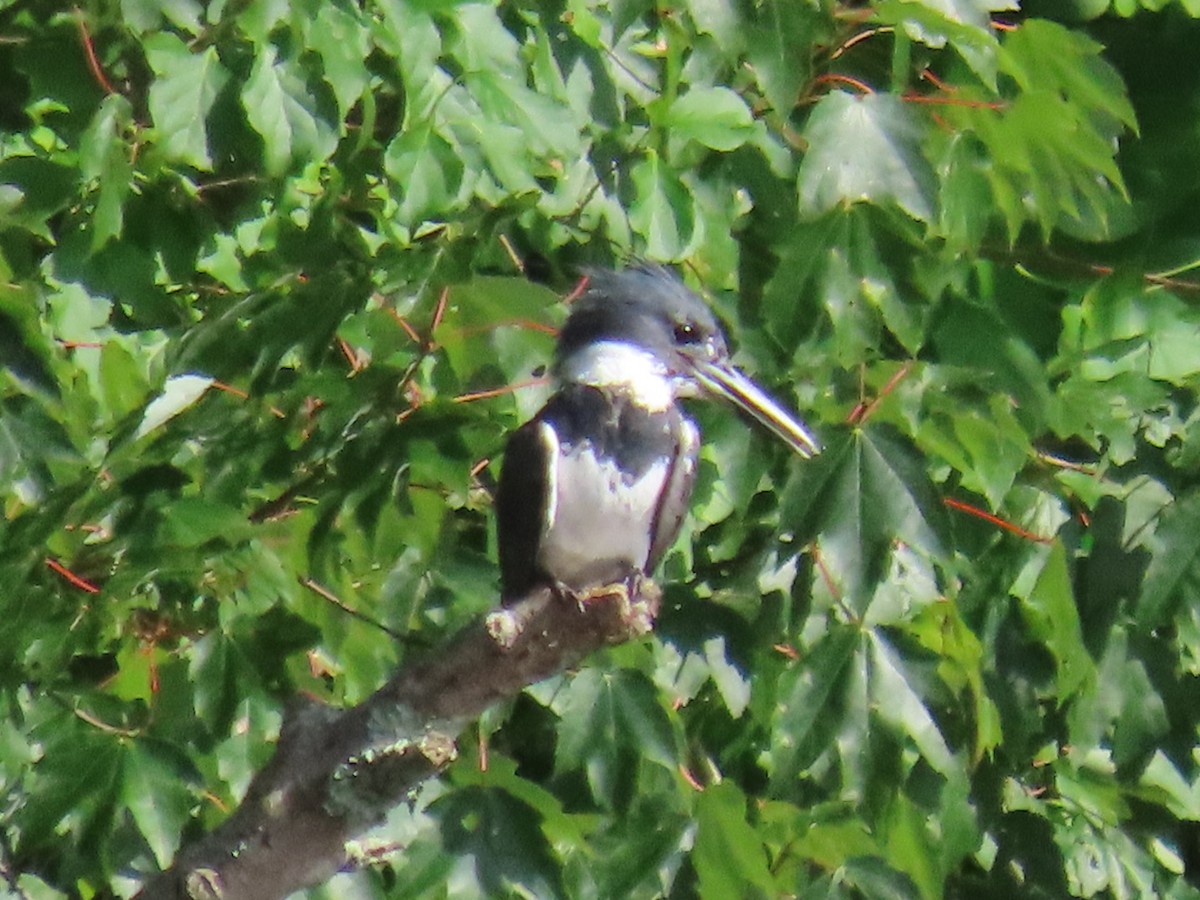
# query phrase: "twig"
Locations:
[[325, 594], [82, 583], [996, 520], [89, 50]]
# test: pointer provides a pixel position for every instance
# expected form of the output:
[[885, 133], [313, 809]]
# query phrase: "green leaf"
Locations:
[[1163, 781], [663, 209], [728, 855], [426, 174], [988, 446], [157, 794], [280, 109], [1043, 55], [409, 34], [864, 149], [342, 41], [1122, 708], [1173, 577], [182, 95], [963, 24], [501, 835], [546, 126], [78, 781], [1124, 330], [180, 392], [965, 194], [836, 261], [866, 491], [780, 42], [940, 628], [715, 117], [981, 342], [873, 879], [105, 160], [192, 521], [808, 712], [604, 713], [501, 772], [1048, 607], [901, 706]]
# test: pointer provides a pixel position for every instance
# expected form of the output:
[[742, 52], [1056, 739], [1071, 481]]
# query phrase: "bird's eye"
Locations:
[[687, 333]]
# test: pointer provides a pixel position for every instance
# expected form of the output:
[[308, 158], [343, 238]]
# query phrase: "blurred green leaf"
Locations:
[[1172, 578], [864, 149], [603, 714], [158, 798], [501, 834], [426, 171], [182, 95], [729, 857], [341, 41], [780, 38], [194, 520], [1048, 606], [663, 209], [279, 109], [810, 706], [714, 117]]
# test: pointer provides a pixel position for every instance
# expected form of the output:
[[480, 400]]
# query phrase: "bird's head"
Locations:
[[643, 330]]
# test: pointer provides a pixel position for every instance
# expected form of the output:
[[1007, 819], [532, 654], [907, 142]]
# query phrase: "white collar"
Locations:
[[622, 367]]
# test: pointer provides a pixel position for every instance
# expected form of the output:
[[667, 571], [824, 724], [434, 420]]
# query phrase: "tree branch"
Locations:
[[336, 773]]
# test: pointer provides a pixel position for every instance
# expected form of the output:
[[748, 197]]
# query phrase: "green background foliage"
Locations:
[[262, 284]]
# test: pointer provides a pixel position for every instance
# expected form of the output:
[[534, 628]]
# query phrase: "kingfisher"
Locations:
[[594, 488]]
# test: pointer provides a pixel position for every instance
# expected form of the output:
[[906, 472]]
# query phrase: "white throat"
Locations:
[[624, 368]]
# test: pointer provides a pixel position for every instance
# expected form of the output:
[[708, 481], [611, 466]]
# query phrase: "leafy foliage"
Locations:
[[277, 279]]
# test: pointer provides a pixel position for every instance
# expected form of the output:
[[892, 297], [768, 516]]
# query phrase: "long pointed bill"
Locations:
[[737, 388]]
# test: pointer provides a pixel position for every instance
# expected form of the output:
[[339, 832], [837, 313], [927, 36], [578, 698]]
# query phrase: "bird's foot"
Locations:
[[623, 592], [618, 591]]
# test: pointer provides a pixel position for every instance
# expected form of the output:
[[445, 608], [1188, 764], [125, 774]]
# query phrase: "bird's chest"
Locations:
[[605, 491], [600, 518]]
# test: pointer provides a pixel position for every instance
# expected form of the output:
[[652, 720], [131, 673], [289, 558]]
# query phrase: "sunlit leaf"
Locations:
[[715, 117], [426, 173], [279, 110], [1048, 606], [729, 855], [158, 798], [864, 149], [182, 96], [180, 392], [901, 707], [663, 209]]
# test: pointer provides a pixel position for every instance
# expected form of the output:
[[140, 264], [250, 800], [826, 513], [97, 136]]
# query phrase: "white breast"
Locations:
[[597, 524]]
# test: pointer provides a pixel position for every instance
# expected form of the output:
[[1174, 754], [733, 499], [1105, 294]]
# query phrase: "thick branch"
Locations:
[[336, 773]]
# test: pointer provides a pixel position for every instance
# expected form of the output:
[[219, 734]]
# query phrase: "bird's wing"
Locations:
[[525, 504], [676, 495]]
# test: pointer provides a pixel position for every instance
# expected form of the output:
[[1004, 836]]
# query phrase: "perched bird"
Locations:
[[594, 488]]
